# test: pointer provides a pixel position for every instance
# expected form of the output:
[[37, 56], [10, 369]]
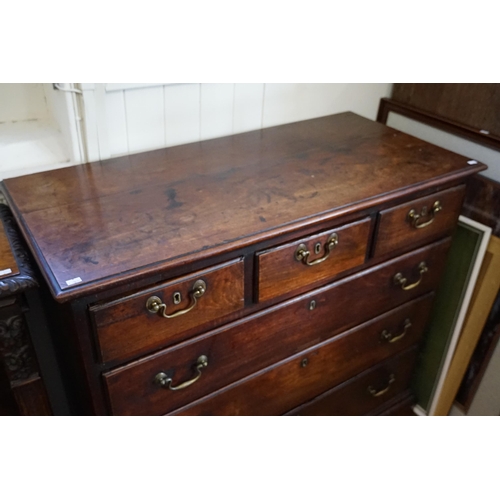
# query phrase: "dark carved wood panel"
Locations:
[[15, 349], [22, 391]]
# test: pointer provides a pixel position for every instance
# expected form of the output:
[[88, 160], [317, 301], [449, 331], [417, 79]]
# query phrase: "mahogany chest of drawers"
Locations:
[[289, 270]]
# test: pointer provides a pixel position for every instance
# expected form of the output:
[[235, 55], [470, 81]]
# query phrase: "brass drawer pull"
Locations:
[[155, 305], [401, 281], [376, 393], [302, 253], [413, 217], [163, 380], [386, 335]]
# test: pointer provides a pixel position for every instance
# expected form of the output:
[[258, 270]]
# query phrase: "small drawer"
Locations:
[[419, 221], [202, 366], [311, 260], [367, 391], [139, 322]]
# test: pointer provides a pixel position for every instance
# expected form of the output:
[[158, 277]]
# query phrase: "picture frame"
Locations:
[[451, 304]]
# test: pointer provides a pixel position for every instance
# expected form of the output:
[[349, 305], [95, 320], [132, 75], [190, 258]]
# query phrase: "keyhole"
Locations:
[[177, 298], [317, 248], [304, 362]]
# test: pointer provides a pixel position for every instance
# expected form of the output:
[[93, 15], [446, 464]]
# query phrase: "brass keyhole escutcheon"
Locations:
[[317, 248], [312, 305], [177, 298], [304, 362]]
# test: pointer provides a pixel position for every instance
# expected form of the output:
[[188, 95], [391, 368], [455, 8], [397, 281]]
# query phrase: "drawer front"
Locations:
[[311, 260], [400, 406], [130, 325], [367, 391], [419, 221], [246, 348], [285, 386], [268, 337]]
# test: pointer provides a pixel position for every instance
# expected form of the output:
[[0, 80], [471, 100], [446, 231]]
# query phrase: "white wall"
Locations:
[[22, 101], [130, 120], [38, 129], [61, 108]]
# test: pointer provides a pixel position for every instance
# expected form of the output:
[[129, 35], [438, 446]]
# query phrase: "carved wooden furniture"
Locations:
[[284, 271], [22, 391]]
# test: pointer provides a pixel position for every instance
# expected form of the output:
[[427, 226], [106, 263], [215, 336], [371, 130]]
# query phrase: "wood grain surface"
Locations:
[[96, 225], [251, 345], [282, 387], [125, 327], [276, 333], [8, 264], [396, 233], [280, 272], [353, 397]]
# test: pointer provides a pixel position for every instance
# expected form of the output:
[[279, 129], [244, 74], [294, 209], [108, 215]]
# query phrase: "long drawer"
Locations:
[[286, 385], [365, 392]]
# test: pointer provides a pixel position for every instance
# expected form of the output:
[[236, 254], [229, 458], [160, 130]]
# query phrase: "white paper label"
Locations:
[[472, 162], [486, 132], [74, 281], [5, 271]]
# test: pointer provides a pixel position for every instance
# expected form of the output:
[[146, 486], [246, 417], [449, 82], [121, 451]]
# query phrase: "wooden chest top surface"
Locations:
[[101, 223]]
